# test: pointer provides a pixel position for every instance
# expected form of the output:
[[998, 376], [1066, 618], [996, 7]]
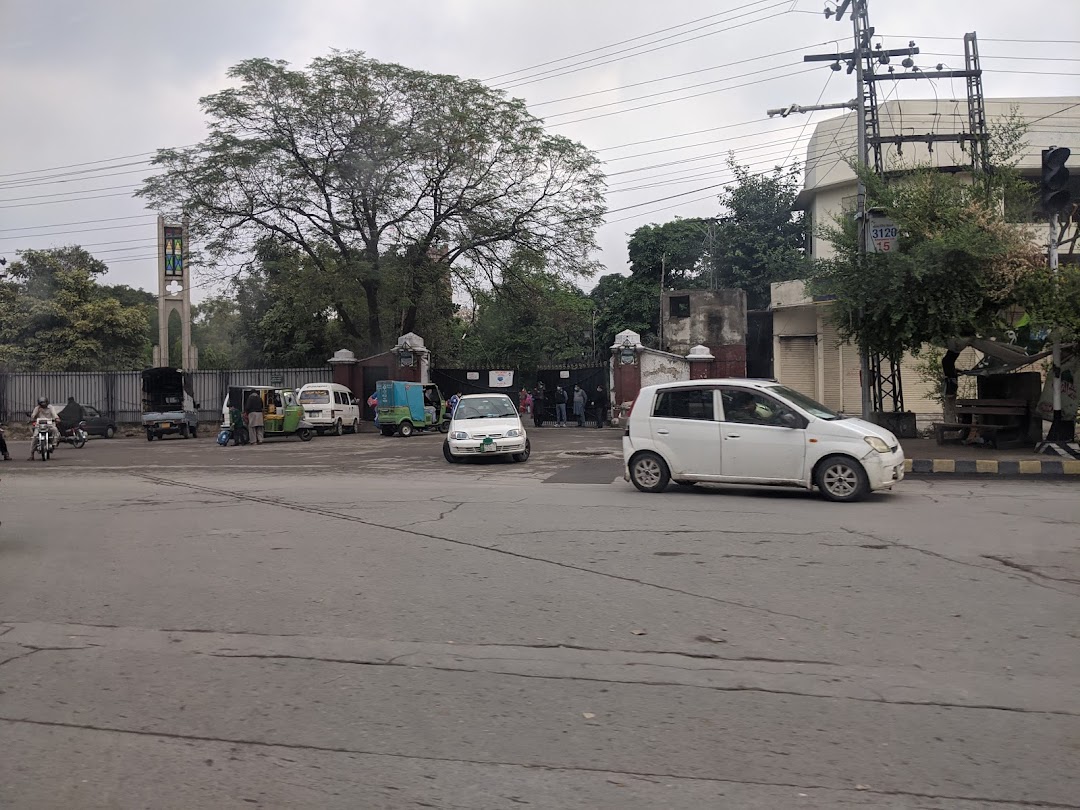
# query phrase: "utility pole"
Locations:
[[663, 272], [877, 383]]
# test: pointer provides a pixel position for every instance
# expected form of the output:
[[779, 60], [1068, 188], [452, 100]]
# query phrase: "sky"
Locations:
[[660, 90]]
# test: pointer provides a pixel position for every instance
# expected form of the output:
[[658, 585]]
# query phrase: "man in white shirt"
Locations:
[[44, 411]]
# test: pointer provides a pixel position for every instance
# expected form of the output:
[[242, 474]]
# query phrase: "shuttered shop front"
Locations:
[[797, 363]]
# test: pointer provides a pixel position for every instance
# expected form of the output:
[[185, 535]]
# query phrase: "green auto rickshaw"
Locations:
[[406, 408], [282, 414]]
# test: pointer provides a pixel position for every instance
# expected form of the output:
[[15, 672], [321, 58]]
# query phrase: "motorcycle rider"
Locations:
[[44, 411]]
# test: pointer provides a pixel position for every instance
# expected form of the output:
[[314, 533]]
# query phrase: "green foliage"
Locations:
[[1053, 299], [626, 302], [676, 248], [352, 161], [759, 240], [55, 317], [532, 318], [957, 267]]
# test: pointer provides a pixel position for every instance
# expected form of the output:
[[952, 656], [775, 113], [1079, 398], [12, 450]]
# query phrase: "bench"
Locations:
[[1008, 415]]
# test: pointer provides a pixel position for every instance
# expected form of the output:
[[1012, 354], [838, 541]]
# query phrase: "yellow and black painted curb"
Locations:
[[1026, 468]]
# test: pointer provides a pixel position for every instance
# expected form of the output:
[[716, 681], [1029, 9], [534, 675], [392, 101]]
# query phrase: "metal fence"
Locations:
[[118, 394]]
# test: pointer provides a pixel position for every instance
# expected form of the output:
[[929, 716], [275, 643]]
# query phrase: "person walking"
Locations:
[[560, 406], [579, 405], [238, 433], [600, 405], [253, 410]]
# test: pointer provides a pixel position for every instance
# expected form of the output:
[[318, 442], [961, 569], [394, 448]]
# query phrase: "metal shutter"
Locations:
[[797, 367], [832, 376]]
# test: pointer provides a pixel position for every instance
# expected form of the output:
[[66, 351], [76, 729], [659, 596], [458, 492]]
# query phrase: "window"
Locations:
[[340, 398], [685, 403], [806, 403], [679, 306], [315, 396], [90, 413], [748, 407]]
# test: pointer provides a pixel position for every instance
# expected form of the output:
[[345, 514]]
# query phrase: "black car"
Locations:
[[96, 423]]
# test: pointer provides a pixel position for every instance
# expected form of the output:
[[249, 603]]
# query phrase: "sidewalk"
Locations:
[[927, 457]]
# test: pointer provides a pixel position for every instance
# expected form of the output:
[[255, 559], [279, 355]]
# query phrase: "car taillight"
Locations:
[[629, 414]]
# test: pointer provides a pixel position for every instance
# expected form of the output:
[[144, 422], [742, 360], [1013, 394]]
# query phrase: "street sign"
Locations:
[[883, 236], [277, 379]]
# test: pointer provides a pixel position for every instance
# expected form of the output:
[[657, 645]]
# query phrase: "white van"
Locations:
[[330, 408], [754, 432]]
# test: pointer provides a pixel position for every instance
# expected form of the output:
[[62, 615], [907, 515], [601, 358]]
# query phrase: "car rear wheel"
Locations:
[[524, 454], [110, 431], [648, 472], [149, 435], [355, 426], [450, 457], [338, 428], [183, 431], [842, 479]]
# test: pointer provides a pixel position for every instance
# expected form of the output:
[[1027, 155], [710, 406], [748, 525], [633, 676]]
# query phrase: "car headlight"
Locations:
[[513, 433], [459, 434], [878, 444]]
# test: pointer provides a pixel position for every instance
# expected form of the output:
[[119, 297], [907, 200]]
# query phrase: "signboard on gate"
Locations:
[[883, 236]]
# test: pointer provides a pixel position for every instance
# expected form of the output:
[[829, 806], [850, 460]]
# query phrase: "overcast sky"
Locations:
[[97, 81]]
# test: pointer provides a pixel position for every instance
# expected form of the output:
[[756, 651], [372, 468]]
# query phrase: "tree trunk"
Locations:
[[371, 292]]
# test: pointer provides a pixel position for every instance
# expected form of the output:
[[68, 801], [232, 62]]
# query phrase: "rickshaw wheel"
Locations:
[[444, 427], [304, 434], [405, 429]]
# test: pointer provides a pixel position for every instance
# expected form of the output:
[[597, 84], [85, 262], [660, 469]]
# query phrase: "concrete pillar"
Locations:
[[626, 370], [343, 364], [701, 362], [413, 359]]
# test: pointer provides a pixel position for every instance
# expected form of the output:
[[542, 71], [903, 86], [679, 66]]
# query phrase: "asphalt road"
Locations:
[[354, 623]]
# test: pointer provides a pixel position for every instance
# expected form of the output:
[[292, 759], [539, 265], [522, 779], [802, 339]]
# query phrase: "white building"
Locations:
[[807, 352]]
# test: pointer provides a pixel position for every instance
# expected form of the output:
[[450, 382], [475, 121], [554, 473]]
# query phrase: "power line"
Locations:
[[66, 233], [68, 193], [554, 74], [682, 98], [76, 199], [675, 76], [79, 222], [620, 42], [89, 178]]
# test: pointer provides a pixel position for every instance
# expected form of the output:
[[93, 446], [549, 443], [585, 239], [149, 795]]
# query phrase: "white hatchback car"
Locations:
[[754, 432], [486, 424]]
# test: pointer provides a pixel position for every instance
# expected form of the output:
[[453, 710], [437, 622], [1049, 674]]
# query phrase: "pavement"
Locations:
[[354, 623]]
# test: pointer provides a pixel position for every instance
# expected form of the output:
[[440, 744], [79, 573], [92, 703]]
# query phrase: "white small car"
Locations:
[[486, 425], [754, 432]]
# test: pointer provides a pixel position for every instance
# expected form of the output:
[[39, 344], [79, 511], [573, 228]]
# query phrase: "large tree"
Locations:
[[353, 158], [54, 316], [675, 250], [758, 239]]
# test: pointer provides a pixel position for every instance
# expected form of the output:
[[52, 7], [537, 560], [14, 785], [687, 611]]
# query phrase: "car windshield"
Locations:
[[812, 407], [315, 396], [485, 408]]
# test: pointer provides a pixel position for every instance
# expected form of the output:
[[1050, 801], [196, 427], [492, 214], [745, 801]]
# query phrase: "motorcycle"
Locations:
[[75, 435], [42, 438]]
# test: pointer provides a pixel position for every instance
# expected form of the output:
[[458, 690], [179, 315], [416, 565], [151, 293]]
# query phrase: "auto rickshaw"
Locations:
[[408, 407], [282, 414], [168, 405]]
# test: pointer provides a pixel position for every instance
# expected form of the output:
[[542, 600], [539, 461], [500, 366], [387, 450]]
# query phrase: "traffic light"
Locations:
[[1054, 191]]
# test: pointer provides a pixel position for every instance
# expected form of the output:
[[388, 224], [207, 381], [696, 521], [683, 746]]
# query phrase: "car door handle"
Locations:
[[733, 435], [664, 432]]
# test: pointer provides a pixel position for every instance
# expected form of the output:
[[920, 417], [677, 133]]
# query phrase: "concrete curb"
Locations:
[[987, 467]]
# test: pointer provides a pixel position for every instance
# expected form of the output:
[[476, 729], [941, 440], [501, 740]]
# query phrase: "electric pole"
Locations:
[[877, 384]]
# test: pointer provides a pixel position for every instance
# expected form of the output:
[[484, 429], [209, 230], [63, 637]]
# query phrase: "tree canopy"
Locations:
[[381, 175], [54, 316]]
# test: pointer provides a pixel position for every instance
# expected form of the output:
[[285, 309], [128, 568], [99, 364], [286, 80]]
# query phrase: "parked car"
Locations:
[[94, 423], [754, 432], [486, 424], [330, 407]]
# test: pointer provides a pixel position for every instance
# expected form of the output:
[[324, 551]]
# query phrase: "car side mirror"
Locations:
[[790, 420]]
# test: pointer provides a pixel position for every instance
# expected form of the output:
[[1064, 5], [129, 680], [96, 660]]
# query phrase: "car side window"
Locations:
[[685, 403], [90, 413], [747, 407]]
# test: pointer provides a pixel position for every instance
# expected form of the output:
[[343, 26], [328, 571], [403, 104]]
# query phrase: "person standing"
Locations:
[[560, 406], [3, 446], [253, 410], [600, 405], [579, 405], [538, 404]]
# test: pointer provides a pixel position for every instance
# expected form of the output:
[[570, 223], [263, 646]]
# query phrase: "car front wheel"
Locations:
[[450, 457], [524, 454], [841, 479], [110, 431], [649, 473]]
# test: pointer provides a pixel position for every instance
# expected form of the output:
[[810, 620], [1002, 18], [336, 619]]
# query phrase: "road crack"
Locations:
[[531, 765], [1030, 569], [324, 512]]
